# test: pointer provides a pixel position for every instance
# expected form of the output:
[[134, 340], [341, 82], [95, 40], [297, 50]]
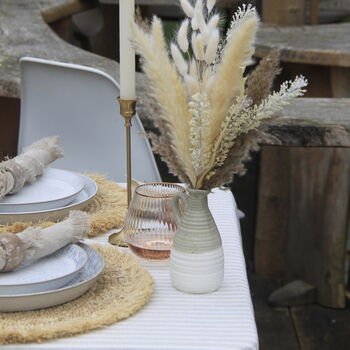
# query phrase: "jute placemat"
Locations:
[[107, 209], [123, 288]]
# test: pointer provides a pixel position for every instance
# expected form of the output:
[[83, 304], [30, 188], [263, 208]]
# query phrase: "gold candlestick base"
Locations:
[[128, 110]]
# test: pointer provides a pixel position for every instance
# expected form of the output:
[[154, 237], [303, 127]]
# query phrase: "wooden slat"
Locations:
[[64, 10], [325, 44], [222, 3], [273, 213], [9, 124], [312, 122], [287, 13], [245, 190], [275, 326], [322, 328], [303, 216], [314, 12], [335, 5], [340, 81]]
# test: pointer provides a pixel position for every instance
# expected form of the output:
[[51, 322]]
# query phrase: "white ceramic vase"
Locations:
[[197, 258]]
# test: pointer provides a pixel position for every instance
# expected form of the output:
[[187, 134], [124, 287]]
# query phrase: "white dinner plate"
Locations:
[[80, 202], [75, 288], [50, 272], [55, 188]]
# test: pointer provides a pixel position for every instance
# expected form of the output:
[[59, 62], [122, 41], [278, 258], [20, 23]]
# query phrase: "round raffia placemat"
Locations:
[[107, 209], [123, 288]]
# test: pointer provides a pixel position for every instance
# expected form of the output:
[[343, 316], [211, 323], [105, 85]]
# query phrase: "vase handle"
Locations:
[[175, 204]]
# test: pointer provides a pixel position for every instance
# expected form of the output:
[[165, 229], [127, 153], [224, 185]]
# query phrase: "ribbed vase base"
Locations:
[[197, 273]]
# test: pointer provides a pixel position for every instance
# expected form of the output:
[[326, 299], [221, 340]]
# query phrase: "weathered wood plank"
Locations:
[[314, 11], [272, 213], [285, 13], [322, 328], [222, 3], [34, 38], [318, 225], [245, 189], [62, 9], [340, 81], [274, 325], [302, 218], [334, 5], [324, 44], [311, 122], [146, 2], [9, 125]]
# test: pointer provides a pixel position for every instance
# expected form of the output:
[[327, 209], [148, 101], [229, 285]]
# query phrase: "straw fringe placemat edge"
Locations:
[[107, 209], [123, 288]]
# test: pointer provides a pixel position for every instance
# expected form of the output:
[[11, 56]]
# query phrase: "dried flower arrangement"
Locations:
[[211, 114]]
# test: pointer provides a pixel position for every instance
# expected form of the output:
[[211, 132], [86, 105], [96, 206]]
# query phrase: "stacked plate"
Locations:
[[53, 280], [50, 197], [69, 272]]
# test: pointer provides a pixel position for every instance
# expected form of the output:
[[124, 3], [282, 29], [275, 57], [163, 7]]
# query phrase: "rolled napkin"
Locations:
[[14, 173], [35, 243]]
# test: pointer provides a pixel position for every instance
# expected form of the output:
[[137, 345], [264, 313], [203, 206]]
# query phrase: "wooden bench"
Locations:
[[302, 220], [321, 52], [300, 12], [24, 32], [303, 198]]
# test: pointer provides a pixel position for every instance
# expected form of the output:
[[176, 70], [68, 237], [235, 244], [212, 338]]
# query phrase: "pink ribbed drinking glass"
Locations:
[[150, 225]]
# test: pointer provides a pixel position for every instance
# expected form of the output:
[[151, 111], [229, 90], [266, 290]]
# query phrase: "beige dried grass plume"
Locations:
[[211, 115]]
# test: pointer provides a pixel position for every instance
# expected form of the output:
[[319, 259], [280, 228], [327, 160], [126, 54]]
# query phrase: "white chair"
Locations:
[[80, 104]]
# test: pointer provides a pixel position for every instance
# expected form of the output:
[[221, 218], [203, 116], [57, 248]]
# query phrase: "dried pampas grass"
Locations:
[[260, 81], [211, 114], [168, 91], [229, 80]]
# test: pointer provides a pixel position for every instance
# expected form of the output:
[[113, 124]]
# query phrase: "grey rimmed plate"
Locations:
[[81, 201], [50, 272], [55, 188], [75, 288]]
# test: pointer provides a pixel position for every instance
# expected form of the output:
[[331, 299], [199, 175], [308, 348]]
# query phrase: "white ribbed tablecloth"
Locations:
[[172, 320]]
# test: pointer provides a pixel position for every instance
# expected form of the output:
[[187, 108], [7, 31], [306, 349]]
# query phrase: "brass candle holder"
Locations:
[[128, 110]]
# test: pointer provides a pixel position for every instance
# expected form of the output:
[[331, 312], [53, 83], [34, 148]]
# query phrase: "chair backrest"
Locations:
[[80, 105]]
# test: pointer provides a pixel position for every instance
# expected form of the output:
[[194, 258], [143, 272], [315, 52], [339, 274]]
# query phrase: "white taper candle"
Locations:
[[126, 52]]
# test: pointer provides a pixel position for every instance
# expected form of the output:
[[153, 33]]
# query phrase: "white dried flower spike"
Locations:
[[193, 69], [212, 47], [180, 62], [194, 22], [198, 14], [209, 83], [187, 8], [242, 13], [210, 5], [210, 26], [213, 22], [198, 46], [191, 84], [182, 36]]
